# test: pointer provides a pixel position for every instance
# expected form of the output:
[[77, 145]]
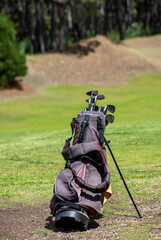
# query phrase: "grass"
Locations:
[[34, 129]]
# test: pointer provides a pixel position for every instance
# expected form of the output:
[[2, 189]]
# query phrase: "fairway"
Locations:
[[33, 132]]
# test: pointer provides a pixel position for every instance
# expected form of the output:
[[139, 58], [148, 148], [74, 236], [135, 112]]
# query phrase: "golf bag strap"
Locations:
[[100, 129], [83, 129], [101, 188], [72, 128], [79, 149]]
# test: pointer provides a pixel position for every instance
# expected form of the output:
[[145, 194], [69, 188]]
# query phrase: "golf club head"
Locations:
[[109, 118], [92, 92], [111, 108], [98, 97]]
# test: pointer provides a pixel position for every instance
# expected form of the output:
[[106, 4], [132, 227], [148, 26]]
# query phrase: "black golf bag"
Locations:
[[83, 185]]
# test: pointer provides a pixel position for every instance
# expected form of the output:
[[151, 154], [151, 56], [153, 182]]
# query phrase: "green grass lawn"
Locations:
[[34, 129]]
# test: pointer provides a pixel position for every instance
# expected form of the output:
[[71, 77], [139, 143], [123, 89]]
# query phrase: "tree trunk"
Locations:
[[97, 17], [128, 5], [119, 18], [40, 25], [78, 28], [53, 25], [145, 14], [31, 23], [61, 34], [21, 16], [108, 12]]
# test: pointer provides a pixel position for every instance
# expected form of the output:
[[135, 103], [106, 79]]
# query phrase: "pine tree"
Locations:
[[12, 60]]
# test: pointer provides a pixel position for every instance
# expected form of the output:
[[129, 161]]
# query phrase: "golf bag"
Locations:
[[83, 185]]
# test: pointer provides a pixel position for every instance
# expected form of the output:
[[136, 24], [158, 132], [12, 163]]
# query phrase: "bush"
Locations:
[[137, 30], [27, 46], [114, 34], [12, 59]]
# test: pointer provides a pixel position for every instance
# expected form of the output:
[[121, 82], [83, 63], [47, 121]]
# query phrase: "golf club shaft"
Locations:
[[95, 100], [107, 144]]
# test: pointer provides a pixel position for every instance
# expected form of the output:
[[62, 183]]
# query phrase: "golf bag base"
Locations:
[[67, 217]]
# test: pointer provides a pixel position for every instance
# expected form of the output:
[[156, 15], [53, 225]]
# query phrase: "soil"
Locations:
[[30, 223]]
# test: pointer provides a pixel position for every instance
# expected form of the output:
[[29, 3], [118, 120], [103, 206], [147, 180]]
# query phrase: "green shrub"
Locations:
[[27, 46], [114, 34], [137, 30], [12, 59]]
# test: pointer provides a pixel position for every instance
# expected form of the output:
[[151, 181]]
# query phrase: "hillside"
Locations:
[[95, 61]]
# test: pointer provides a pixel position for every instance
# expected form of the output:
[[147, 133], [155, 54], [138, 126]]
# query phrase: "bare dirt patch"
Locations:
[[26, 222]]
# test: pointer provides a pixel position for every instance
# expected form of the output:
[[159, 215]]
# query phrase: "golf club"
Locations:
[[110, 108], [109, 118], [98, 97], [89, 103], [101, 109], [96, 108], [91, 93]]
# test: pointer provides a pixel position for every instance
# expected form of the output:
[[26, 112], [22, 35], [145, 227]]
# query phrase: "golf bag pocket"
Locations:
[[63, 188]]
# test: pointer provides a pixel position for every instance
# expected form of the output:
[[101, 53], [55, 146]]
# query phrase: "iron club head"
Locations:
[[109, 118], [98, 97], [110, 108]]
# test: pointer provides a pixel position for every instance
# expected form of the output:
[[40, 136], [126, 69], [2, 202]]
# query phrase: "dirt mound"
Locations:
[[95, 61]]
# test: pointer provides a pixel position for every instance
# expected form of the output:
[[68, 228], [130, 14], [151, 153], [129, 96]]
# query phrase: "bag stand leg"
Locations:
[[107, 144]]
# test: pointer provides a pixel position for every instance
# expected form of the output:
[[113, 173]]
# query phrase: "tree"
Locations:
[[45, 25], [53, 24], [12, 60], [61, 16]]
